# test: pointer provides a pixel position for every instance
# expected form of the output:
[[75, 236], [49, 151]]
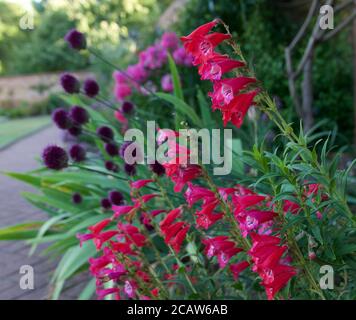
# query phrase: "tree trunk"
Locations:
[[307, 93]]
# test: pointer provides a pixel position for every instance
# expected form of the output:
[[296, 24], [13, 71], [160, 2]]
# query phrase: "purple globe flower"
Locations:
[[76, 39], [77, 153], [116, 198], [91, 88], [79, 115], [55, 157], [75, 131], [130, 169], [127, 107], [105, 203], [70, 83], [105, 133], [157, 168], [61, 118], [111, 149], [111, 166], [77, 198]]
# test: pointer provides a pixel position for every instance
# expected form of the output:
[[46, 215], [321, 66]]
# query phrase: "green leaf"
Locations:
[[182, 108], [27, 178], [20, 231], [44, 228], [204, 109], [73, 260], [177, 89], [88, 291]]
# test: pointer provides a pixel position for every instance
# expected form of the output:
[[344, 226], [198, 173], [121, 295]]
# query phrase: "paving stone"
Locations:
[[14, 209]]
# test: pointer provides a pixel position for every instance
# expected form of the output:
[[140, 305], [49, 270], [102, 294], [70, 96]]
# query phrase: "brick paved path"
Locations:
[[14, 209]]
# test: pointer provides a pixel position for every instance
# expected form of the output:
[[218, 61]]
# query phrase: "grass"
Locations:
[[13, 130]]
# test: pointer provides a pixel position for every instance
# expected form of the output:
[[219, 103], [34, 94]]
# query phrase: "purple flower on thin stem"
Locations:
[[116, 198], [105, 133], [105, 203], [111, 166], [91, 88], [127, 107], [130, 169], [55, 157], [77, 198], [77, 153], [111, 149], [157, 168], [79, 115], [76, 39], [70, 83], [61, 118], [75, 131]]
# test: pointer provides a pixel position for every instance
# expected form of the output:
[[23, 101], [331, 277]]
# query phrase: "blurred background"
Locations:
[[33, 54]]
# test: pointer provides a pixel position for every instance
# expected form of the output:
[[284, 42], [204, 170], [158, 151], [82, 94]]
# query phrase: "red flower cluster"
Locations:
[[247, 208], [125, 240], [266, 253], [226, 95], [174, 232], [178, 167]]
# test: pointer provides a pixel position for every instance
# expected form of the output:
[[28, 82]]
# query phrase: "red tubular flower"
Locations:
[[140, 183], [274, 280], [201, 44], [97, 228], [237, 268], [181, 175], [216, 66], [122, 247], [252, 219], [242, 202], [98, 264], [102, 293], [236, 110], [221, 247], [267, 256], [177, 241], [206, 217], [97, 236], [196, 193], [121, 210], [104, 237], [132, 234], [225, 90], [170, 217]]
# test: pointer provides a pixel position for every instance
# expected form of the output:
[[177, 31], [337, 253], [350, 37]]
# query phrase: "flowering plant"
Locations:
[[172, 229]]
